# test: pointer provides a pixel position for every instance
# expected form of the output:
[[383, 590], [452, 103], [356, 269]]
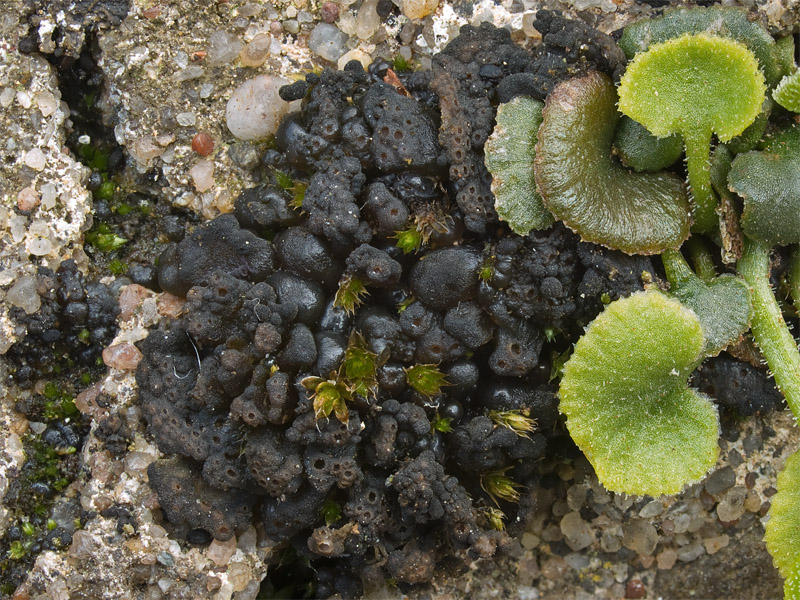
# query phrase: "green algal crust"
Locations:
[[625, 395], [510, 152], [769, 183], [783, 528], [695, 85], [584, 186]]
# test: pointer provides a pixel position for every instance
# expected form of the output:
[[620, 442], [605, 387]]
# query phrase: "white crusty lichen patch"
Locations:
[[170, 73], [44, 205]]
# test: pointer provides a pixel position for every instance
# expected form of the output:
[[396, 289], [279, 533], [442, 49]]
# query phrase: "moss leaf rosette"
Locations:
[[627, 402], [769, 183], [510, 152], [783, 528], [584, 186], [695, 85]]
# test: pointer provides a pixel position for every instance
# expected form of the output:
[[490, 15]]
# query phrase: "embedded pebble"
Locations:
[[554, 567], [239, 576], [86, 401], [23, 295], [690, 552], [367, 20], [202, 174], [48, 192], [721, 480], [356, 54], [124, 356], [189, 73], [640, 536], [255, 108], [652, 509], [256, 52], [576, 531], [206, 90], [668, 526], [329, 12], [7, 97], [82, 546], [170, 305], [605, 6], [752, 502], [734, 458], [623, 501], [145, 149], [552, 533], [527, 25], [203, 144], [244, 155], [37, 427], [418, 9], [666, 559], [130, 297], [716, 543], [27, 199], [39, 246], [635, 589], [577, 560], [576, 496], [138, 461], [24, 99], [600, 495], [220, 552], [610, 542], [47, 103], [732, 507], [35, 159], [327, 42], [223, 48], [530, 540], [248, 540], [186, 119], [17, 226]]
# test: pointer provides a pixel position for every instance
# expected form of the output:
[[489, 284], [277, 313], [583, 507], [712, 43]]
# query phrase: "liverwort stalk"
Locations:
[[794, 276], [676, 268], [769, 328], [695, 85], [698, 167], [701, 258]]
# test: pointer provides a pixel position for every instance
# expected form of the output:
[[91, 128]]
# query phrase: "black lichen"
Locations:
[[282, 402]]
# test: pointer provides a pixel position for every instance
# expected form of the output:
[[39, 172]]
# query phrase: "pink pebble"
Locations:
[[124, 356]]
